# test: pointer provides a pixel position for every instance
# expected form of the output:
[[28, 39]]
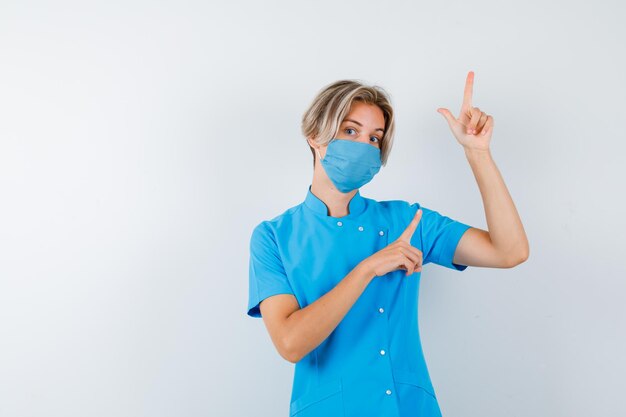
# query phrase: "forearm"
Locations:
[[308, 327], [505, 226]]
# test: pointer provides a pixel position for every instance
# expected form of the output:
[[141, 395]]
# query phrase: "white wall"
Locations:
[[140, 142]]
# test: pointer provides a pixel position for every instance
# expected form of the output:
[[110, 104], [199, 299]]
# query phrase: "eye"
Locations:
[[377, 140], [349, 129]]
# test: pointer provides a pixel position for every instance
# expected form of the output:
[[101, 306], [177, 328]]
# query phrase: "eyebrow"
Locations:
[[354, 121]]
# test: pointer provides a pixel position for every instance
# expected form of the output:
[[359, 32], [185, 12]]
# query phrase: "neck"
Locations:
[[336, 202]]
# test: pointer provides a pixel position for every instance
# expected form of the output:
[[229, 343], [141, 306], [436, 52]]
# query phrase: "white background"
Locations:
[[140, 143]]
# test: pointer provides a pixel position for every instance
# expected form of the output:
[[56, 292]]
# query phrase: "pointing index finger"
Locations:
[[467, 94], [410, 229]]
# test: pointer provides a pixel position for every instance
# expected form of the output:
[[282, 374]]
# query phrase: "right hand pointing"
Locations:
[[398, 254]]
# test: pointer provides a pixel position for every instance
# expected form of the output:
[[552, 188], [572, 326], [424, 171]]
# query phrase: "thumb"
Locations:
[[447, 115]]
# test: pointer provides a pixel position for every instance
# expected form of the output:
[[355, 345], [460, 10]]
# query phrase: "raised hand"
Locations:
[[398, 254], [473, 127]]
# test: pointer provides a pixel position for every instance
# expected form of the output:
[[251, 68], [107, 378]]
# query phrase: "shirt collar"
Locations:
[[355, 206]]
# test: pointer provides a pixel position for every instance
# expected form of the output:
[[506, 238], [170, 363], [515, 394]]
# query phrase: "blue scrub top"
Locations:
[[372, 363]]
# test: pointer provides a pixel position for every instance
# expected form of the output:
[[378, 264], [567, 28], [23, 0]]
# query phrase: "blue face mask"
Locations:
[[350, 164]]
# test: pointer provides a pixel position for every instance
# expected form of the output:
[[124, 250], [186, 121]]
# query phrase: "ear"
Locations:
[[311, 141]]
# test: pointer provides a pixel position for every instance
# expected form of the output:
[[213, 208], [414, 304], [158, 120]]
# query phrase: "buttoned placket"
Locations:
[[380, 311], [382, 321], [353, 219]]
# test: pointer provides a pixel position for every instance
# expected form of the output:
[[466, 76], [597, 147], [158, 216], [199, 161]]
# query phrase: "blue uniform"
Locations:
[[372, 363]]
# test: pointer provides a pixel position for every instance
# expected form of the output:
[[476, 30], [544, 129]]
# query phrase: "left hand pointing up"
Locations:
[[473, 127]]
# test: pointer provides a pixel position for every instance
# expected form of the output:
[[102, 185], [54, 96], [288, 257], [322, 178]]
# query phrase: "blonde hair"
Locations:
[[332, 104]]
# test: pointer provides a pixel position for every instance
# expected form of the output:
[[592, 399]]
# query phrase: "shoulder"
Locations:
[[280, 223], [393, 208], [401, 207], [393, 205], [402, 211]]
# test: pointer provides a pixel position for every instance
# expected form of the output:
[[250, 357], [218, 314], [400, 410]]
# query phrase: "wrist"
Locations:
[[475, 153], [365, 271]]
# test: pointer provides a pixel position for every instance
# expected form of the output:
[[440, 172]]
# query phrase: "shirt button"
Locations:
[[381, 233], [339, 224], [360, 228], [382, 352], [388, 392], [381, 310]]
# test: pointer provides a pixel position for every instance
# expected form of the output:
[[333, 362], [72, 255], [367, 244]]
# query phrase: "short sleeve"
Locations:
[[267, 274], [439, 236]]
